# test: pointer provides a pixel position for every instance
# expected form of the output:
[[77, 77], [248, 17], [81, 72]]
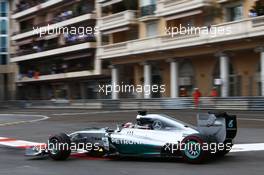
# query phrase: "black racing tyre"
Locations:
[[225, 150], [191, 149], [59, 147]]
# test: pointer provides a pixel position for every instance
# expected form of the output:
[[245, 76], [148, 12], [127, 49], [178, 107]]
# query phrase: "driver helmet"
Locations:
[[128, 125], [143, 121]]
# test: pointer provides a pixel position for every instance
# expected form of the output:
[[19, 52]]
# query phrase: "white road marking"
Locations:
[[41, 118], [251, 119], [248, 147], [9, 142], [1, 138], [19, 143], [98, 112], [25, 112]]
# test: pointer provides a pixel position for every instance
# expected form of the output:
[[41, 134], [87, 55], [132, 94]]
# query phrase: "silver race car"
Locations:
[[153, 135]]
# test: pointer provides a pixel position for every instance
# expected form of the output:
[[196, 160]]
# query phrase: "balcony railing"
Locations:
[[31, 6], [108, 2], [83, 73], [54, 26], [259, 21], [56, 51], [49, 68], [119, 19], [24, 5], [56, 19], [169, 7], [238, 30], [46, 47]]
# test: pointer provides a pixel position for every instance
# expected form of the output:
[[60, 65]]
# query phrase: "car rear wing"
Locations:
[[221, 126]]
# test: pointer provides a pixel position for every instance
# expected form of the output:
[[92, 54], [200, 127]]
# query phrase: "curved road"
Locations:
[[12, 161]]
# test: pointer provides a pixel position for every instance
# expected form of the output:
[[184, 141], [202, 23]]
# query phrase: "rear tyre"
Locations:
[[59, 147], [192, 149]]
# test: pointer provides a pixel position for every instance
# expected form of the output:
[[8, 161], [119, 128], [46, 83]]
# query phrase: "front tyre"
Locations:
[[59, 147], [192, 149]]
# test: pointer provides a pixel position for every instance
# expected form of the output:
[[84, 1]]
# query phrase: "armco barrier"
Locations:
[[231, 103]]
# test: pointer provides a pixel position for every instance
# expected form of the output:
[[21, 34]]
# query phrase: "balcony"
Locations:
[[59, 16], [170, 7], [84, 73], [117, 20], [252, 27], [29, 55], [109, 2], [76, 74], [54, 26], [44, 44], [258, 22], [29, 8]]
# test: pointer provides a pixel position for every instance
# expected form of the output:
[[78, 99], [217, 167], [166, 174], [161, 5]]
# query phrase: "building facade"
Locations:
[[181, 44], [7, 71], [184, 44], [54, 45]]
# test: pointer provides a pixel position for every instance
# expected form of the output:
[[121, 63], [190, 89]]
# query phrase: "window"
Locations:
[[3, 59], [147, 2], [235, 13], [3, 44], [3, 8], [152, 29], [3, 25], [148, 7]]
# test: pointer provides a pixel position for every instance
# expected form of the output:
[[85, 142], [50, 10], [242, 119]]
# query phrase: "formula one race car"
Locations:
[[153, 135]]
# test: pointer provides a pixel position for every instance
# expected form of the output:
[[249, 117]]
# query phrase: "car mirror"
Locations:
[[118, 129]]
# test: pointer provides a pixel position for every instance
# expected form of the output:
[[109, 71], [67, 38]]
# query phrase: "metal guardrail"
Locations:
[[231, 103]]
